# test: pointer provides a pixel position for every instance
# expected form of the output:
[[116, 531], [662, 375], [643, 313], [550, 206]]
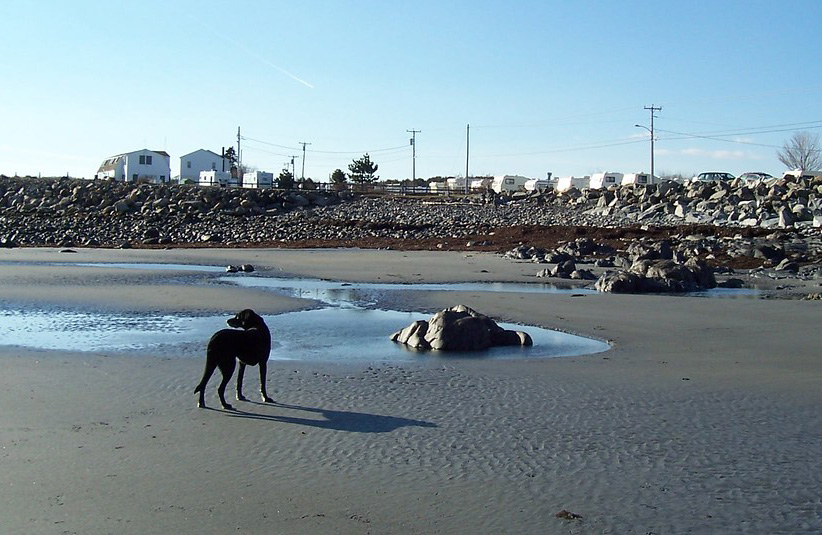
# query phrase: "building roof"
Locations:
[[201, 150]]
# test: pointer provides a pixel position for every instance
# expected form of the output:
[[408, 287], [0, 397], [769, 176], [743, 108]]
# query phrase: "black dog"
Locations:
[[251, 346]]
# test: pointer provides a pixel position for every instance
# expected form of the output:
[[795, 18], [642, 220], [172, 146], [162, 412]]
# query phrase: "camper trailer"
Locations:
[[567, 182], [216, 178], [638, 179], [258, 179], [798, 173], [509, 183], [605, 180], [540, 184]]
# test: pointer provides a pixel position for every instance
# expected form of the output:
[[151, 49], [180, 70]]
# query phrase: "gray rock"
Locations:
[[458, 329]]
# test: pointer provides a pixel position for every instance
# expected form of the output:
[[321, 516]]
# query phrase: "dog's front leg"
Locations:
[[240, 396], [263, 374]]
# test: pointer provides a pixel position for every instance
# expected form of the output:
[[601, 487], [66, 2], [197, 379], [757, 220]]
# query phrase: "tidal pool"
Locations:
[[324, 335]]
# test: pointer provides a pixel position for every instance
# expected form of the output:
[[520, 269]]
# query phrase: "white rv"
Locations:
[[798, 173], [638, 179], [215, 178], [538, 184], [605, 180], [509, 183], [565, 183], [258, 179]]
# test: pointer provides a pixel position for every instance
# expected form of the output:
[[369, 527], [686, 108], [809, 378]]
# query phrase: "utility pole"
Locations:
[[652, 109], [414, 155], [467, 144], [238, 151], [302, 175], [292, 168]]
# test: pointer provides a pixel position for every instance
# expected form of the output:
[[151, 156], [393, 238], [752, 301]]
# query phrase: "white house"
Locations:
[[258, 179], [201, 160], [509, 183], [148, 165], [217, 178], [605, 180]]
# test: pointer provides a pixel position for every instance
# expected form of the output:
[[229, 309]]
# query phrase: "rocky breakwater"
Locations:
[[67, 212], [458, 329], [781, 203]]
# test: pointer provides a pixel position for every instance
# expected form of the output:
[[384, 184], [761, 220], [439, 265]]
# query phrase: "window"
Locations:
[[610, 179], [134, 177], [145, 159], [188, 164]]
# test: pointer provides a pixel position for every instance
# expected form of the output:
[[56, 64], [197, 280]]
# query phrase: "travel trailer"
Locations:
[[605, 180], [567, 182], [797, 173], [638, 179], [539, 184], [258, 179], [217, 178], [509, 183]]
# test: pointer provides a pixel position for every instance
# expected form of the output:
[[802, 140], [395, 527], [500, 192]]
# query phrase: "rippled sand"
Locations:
[[704, 418]]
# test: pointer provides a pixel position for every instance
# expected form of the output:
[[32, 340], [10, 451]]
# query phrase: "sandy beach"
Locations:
[[704, 417]]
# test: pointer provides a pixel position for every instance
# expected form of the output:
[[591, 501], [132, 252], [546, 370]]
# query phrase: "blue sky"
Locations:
[[546, 86]]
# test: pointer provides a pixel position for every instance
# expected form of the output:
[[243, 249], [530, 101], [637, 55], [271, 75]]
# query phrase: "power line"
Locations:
[[314, 151]]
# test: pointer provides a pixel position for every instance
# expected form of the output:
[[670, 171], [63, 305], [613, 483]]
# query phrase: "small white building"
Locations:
[[217, 178], [141, 165], [638, 179], [605, 180], [258, 179], [509, 183], [564, 183], [201, 160]]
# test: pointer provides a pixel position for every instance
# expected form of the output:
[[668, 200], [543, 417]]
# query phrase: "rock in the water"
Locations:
[[459, 328]]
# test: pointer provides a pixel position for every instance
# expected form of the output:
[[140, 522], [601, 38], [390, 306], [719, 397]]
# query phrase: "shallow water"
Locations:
[[329, 334], [349, 328]]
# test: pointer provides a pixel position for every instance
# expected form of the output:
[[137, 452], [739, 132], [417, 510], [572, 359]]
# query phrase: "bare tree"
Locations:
[[801, 152]]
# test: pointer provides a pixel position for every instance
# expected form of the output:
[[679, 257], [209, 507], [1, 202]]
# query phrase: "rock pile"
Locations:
[[779, 204], [459, 328], [658, 276], [65, 212]]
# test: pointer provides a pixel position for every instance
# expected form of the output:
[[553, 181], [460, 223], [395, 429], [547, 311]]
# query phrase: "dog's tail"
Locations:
[[199, 388]]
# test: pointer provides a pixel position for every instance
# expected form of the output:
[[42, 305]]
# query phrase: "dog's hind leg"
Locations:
[[263, 374], [240, 373], [227, 369], [209, 370]]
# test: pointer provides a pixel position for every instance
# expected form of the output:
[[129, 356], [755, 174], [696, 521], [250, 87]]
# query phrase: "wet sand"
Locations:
[[703, 418]]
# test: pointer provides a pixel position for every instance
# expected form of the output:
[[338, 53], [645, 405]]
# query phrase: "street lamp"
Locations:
[[651, 109], [652, 147]]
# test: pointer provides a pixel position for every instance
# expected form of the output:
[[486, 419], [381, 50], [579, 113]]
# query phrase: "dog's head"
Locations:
[[246, 319]]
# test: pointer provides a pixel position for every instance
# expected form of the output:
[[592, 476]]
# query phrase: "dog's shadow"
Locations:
[[353, 422]]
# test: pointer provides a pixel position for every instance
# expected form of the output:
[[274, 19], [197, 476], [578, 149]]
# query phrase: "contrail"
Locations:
[[244, 48]]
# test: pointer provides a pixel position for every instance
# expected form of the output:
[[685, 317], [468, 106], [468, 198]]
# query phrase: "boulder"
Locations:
[[457, 329], [661, 276]]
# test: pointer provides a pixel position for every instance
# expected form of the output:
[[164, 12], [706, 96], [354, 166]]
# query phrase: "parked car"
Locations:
[[754, 177], [712, 176]]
